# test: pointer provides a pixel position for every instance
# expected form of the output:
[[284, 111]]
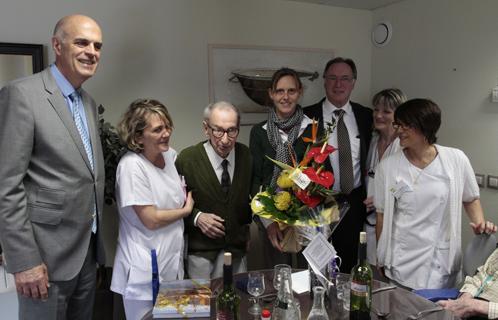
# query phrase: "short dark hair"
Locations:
[[283, 72], [423, 115], [391, 98], [347, 61]]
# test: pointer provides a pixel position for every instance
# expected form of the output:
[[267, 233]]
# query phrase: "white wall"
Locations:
[[158, 48], [447, 50]]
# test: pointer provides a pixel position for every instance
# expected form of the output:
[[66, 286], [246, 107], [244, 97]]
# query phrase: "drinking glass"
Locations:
[[255, 287], [277, 276], [343, 293]]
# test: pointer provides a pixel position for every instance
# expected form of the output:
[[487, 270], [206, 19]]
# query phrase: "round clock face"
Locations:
[[381, 33]]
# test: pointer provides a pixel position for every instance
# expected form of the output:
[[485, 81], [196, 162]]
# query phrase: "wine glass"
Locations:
[[277, 276], [255, 287]]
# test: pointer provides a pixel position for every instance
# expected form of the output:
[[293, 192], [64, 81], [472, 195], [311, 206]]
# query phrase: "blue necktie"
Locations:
[[85, 138]]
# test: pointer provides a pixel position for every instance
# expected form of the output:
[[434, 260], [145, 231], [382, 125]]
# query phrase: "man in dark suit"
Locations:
[[356, 128], [52, 173]]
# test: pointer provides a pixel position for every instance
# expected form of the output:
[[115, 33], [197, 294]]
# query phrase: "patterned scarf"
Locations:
[[291, 126]]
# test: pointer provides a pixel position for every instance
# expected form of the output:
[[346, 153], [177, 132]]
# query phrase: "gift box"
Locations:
[[190, 298]]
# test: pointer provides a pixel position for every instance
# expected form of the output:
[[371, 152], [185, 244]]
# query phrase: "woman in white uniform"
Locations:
[[152, 203], [419, 194], [384, 143]]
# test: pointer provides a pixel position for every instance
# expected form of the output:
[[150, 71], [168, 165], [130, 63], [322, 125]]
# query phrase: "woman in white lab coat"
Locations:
[[384, 143], [152, 203], [419, 194]]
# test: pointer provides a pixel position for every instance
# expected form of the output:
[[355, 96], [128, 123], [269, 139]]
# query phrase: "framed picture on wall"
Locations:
[[241, 75], [19, 60]]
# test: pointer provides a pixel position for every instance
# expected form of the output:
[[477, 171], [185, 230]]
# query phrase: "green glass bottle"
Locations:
[[227, 302], [361, 284]]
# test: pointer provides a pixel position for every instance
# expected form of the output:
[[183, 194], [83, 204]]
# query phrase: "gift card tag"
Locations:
[[300, 179], [319, 252]]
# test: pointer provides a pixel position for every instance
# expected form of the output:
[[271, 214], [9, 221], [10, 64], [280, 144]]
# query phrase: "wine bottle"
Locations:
[[227, 302], [361, 284]]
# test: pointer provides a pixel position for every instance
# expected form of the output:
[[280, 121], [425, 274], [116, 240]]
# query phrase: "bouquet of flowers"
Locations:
[[303, 202]]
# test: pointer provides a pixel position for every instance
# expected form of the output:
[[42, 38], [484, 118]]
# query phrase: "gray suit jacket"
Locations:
[[46, 184]]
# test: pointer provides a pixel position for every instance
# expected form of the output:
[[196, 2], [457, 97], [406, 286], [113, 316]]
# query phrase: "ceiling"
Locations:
[[354, 4]]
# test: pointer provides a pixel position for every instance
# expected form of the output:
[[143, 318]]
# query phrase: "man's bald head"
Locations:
[[77, 41]]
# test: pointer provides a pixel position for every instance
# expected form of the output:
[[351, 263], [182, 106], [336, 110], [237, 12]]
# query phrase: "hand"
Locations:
[[369, 203], [486, 227], [33, 283], [189, 204], [275, 235], [466, 307], [381, 270], [211, 225]]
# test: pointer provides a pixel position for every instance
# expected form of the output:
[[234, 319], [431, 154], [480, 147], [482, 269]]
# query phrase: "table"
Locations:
[[399, 302]]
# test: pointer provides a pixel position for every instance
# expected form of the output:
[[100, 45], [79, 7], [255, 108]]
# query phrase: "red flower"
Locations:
[[324, 178], [309, 200], [319, 154]]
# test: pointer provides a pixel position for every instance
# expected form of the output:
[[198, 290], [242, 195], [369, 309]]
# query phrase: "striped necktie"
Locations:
[[78, 121], [85, 138], [345, 160]]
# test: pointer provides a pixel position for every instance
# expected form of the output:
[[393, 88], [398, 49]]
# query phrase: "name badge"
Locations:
[[399, 188]]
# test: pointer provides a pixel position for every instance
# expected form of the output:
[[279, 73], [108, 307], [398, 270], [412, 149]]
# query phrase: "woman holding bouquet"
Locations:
[[152, 203], [384, 143], [419, 194], [276, 138]]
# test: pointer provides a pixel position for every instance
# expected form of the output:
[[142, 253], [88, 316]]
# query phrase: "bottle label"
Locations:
[[223, 315], [359, 290]]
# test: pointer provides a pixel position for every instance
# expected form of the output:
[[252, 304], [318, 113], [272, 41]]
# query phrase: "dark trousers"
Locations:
[[72, 299], [347, 234]]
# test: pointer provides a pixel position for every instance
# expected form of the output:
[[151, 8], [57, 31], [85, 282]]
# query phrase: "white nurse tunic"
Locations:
[[420, 233], [420, 244], [139, 182]]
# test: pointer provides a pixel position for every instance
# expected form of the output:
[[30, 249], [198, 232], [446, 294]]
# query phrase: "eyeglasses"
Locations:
[[339, 79], [281, 92], [219, 132], [397, 126]]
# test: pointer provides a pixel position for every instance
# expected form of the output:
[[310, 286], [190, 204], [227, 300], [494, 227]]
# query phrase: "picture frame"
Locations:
[[224, 59], [19, 60]]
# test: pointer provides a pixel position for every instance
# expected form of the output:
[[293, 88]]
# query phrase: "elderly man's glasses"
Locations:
[[397, 126], [339, 79], [219, 132]]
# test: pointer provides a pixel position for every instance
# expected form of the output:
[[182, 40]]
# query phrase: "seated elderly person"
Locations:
[[479, 294]]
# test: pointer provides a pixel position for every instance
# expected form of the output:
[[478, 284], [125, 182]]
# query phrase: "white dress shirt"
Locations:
[[354, 139]]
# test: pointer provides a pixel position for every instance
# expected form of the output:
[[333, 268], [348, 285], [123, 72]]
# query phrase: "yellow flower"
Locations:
[[282, 200], [284, 181], [256, 205]]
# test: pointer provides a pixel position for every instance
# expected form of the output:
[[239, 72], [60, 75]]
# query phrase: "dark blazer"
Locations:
[[262, 167], [345, 237], [364, 120], [48, 189]]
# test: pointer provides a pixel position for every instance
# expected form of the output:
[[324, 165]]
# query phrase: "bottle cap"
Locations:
[[227, 259], [363, 237], [265, 313]]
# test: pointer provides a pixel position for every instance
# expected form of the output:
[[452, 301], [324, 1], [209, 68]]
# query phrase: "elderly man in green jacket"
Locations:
[[218, 172]]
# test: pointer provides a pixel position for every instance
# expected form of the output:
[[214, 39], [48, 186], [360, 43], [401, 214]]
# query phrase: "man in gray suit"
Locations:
[[52, 179]]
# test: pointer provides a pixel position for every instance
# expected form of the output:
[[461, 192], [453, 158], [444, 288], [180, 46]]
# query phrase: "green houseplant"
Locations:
[[113, 150]]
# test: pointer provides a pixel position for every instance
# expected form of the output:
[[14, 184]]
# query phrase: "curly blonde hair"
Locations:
[[135, 120]]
